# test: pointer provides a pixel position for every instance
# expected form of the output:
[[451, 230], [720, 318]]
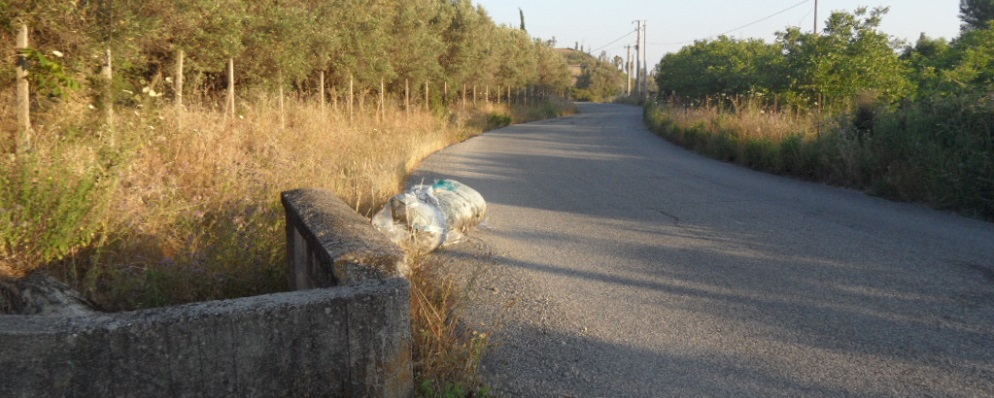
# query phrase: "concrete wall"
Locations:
[[350, 336]]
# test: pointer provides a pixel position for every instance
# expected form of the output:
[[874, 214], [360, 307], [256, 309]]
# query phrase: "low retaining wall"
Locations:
[[350, 336]]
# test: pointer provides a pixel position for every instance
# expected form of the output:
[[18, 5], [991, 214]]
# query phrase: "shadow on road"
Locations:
[[625, 266]]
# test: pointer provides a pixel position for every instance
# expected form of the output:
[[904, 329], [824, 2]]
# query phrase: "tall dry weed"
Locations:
[[192, 195]]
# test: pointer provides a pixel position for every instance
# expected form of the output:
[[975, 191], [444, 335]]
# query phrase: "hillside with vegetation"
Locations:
[[849, 106], [598, 79]]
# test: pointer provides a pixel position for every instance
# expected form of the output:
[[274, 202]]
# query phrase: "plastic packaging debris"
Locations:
[[428, 216], [464, 208]]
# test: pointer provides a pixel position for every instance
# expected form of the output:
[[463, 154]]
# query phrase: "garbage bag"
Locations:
[[428, 216], [463, 207], [412, 223]]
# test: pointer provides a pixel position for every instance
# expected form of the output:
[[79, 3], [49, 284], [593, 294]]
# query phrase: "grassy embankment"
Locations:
[[176, 206], [941, 154]]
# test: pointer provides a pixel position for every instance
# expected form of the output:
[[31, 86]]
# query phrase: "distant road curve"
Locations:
[[615, 264]]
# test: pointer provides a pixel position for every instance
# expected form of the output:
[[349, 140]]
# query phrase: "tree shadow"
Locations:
[[742, 283]]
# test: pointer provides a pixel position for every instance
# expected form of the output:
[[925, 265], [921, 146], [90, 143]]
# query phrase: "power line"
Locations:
[[768, 17], [738, 28], [615, 41]]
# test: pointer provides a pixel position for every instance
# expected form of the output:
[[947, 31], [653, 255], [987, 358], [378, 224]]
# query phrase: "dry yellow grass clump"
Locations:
[[184, 203]]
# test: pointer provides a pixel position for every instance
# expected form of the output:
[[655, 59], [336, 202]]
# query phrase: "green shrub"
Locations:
[[496, 121], [47, 210], [762, 154]]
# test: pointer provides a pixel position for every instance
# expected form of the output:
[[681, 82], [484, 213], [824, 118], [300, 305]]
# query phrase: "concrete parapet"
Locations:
[[330, 244], [351, 338]]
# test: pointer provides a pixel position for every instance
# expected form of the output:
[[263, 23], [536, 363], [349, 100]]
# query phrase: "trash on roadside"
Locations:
[[426, 217]]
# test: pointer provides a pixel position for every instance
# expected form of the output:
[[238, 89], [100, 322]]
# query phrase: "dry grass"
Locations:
[[188, 202], [447, 353], [183, 204]]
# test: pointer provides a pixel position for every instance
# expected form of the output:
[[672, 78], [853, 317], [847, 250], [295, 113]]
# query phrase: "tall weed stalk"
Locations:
[[447, 353]]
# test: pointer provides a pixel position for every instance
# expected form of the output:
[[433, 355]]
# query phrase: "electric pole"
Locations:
[[640, 59], [816, 17], [645, 63], [642, 66], [628, 70]]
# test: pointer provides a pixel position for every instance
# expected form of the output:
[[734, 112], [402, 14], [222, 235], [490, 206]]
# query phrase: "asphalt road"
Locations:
[[615, 264]]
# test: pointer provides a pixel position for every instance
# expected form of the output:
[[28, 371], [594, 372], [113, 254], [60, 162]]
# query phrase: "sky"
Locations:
[[672, 24]]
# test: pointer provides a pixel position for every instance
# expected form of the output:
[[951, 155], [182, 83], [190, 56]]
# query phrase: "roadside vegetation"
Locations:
[[849, 106], [143, 182], [600, 79]]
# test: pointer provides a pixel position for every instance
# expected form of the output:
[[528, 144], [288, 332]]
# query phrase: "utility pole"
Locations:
[[816, 17], [645, 63], [628, 70], [638, 58]]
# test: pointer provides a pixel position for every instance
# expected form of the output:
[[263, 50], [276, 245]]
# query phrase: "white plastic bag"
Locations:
[[464, 208], [428, 216]]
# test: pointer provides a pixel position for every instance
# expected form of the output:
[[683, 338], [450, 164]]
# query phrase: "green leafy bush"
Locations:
[[47, 211], [497, 120]]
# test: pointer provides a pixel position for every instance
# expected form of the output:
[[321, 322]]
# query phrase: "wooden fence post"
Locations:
[[23, 141], [178, 84], [427, 106], [178, 88], [321, 90], [351, 97], [279, 81], [407, 98], [383, 105], [334, 98], [498, 94], [231, 87], [464, 97], [107, 72]]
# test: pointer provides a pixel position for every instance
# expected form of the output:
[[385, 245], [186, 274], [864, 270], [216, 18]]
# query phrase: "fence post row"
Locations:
[[24, 136]]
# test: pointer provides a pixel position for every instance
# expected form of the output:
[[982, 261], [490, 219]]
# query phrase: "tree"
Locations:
[[465, 38], [976, 14], [972, 64], [365, 40], [599, 80], [416, 41], [553, 72], [722, 66], [850, 58], [364, 32]]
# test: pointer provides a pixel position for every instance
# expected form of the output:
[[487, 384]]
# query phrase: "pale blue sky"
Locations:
[[671, 24]]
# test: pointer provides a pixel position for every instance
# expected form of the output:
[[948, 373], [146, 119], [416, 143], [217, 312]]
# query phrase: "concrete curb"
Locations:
[[350, 338]]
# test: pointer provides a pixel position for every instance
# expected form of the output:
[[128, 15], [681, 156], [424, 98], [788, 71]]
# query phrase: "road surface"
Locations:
[[615, 264]]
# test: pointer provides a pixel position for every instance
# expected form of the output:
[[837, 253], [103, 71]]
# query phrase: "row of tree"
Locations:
[[283, 42], [851, 58]]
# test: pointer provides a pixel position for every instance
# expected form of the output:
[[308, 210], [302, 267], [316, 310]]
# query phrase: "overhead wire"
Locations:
[[738, 28], [767, 17], [615, 41]]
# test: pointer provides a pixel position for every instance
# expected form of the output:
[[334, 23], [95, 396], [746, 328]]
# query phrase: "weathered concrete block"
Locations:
[[350, 339], [330, 244]]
